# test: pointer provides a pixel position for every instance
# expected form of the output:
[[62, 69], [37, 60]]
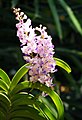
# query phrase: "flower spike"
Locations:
[[38, 50]]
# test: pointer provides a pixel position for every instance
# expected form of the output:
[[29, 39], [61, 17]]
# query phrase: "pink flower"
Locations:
[[38, 50]]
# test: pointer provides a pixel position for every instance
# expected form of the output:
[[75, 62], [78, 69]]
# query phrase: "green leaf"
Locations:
[[3, 85], [56, 17], [4, 106], [5, 77], [17, 77], [22, 99], [47, 112], [49, 106], [62, 64], [27, 112], [19, 87], [54, 96], [3, 109], [25, 100], [71, 15], [5, 102]]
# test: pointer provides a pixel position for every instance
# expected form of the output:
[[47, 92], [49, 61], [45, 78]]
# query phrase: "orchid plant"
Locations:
[[17, 102]]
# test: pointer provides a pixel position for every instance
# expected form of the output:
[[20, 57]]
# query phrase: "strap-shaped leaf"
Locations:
[[22, 99], [27, 112], [5, 77], [20, 95], [46, 112], [19, 87], [55, 17], [3, 85], [62, 64], [3, 109], [71, 15], [25, 99], [20, 73], [54, 96], [5, 100], [49, 106]]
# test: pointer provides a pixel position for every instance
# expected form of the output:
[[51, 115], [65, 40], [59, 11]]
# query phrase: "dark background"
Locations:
[[65, 27]]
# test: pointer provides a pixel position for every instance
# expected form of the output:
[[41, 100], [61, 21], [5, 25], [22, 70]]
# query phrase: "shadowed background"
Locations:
[[63, 19]]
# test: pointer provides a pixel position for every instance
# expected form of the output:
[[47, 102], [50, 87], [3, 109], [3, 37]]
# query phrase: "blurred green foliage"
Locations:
[[63, 19]]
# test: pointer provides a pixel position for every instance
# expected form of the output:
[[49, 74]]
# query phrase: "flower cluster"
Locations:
[[37, 49]]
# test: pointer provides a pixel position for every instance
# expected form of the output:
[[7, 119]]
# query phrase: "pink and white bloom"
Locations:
[[38, 50]]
